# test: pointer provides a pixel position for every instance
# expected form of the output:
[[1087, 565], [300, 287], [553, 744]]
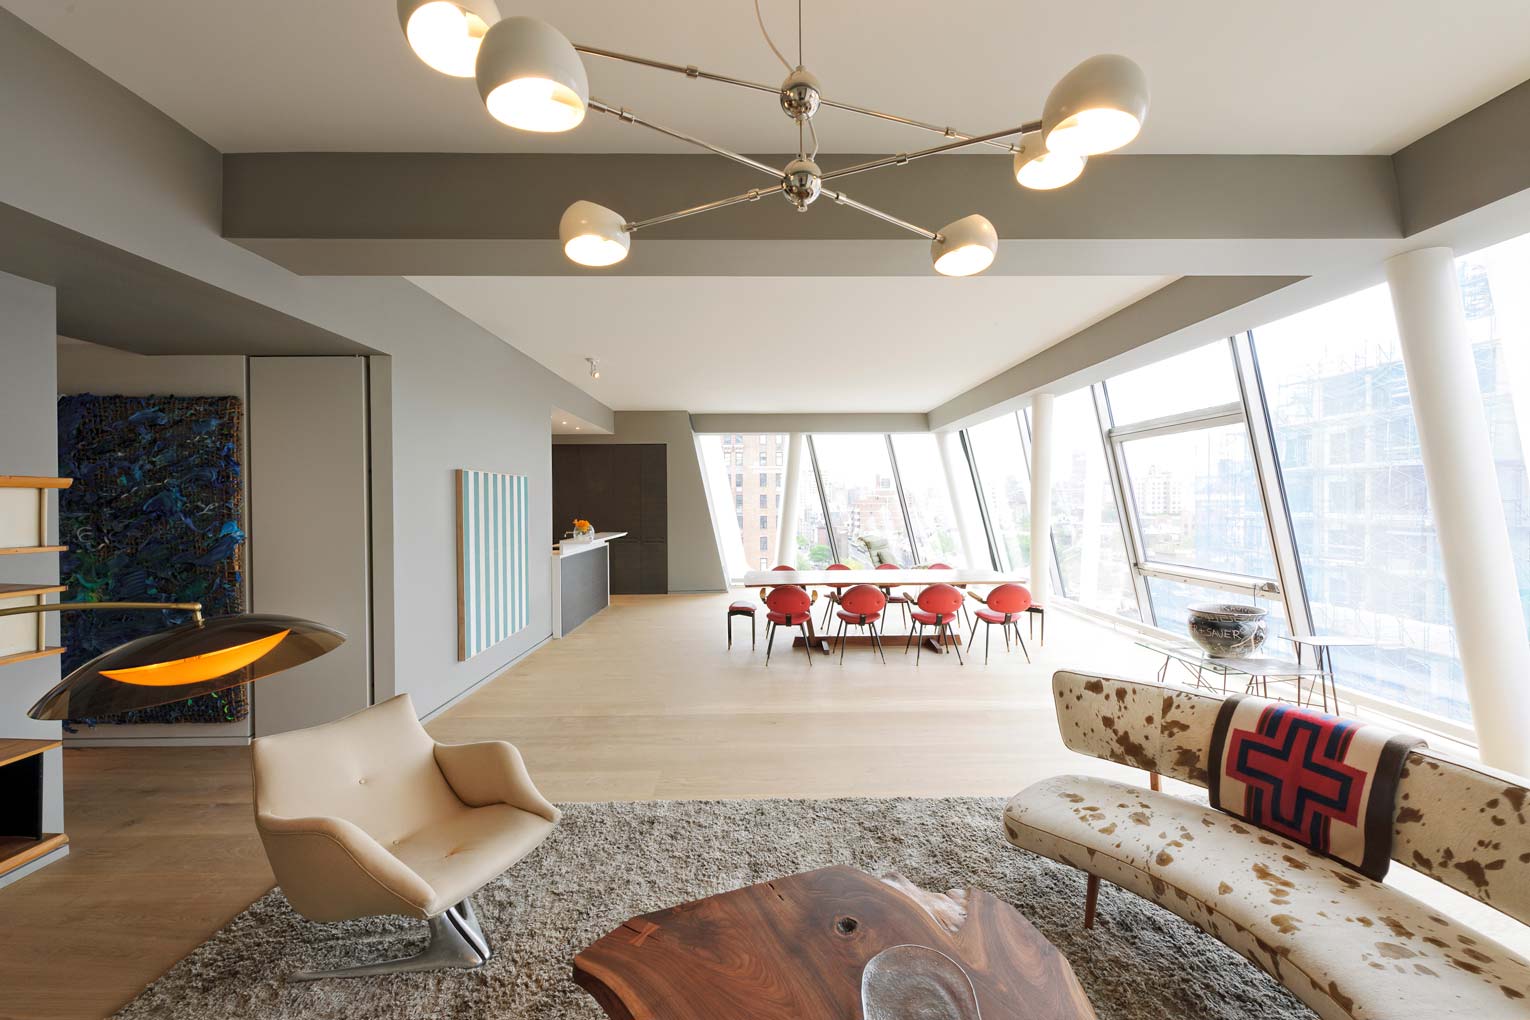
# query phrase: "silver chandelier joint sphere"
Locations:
[[532, 78]]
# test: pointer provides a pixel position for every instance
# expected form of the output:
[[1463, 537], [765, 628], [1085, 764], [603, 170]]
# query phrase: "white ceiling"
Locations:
[[1302, 76], [784, 343]]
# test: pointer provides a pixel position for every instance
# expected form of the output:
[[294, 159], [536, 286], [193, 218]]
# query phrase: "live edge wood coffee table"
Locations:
[[794, 949]]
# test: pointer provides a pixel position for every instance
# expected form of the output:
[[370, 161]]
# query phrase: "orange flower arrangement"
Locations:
[[580, 524]]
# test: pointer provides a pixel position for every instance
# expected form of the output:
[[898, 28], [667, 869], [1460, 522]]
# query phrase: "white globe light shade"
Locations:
[[445, 34], [1038, 168], [531, 77], [965, 247], [592, 235], [1096, 107]]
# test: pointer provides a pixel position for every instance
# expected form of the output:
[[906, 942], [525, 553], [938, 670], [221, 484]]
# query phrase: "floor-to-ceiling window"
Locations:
[[1198, 526], [1003, 477], [1342, 419], [1086, 529], [937, 538], [745, 474], [861, 493]]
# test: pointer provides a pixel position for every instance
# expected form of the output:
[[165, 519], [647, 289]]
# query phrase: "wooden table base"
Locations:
[[794, 949]]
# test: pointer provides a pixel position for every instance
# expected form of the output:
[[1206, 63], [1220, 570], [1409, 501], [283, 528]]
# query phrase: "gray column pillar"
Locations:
[[1041, 498], [1468, 510]]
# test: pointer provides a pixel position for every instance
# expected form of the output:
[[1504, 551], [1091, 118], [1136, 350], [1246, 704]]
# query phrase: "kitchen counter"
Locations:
[[581, 580]]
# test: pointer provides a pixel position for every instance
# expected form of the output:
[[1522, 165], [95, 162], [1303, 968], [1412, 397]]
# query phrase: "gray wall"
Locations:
[[91, 368], [101, 162], [29, 446], [694, 562]]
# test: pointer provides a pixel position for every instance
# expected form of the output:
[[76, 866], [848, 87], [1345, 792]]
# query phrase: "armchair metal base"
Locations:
[[456, 942]]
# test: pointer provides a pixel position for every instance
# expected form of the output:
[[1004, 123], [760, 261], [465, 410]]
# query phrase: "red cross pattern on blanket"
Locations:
[[1293, 766]]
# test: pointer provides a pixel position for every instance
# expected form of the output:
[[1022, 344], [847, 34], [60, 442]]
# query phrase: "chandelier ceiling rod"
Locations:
[[844, 199], [692, 71], [903, 157], [749, 196], [624, 114]]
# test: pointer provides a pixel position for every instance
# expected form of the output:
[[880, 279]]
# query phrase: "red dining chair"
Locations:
[[833, 595], [861, 606], [1003, 607], [939, 605], [893, 598], [748, 609], [788, 606], [963, 587]]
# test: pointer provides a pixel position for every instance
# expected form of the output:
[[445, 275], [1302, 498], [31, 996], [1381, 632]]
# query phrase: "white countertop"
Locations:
[[574, 548]]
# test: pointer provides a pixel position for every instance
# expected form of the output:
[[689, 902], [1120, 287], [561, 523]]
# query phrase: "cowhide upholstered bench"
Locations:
[[1349, 947]]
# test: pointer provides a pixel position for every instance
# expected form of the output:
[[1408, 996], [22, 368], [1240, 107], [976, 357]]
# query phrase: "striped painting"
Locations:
[[493, 550]]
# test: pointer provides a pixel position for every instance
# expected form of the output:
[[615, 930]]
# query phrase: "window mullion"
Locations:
[[823, 501], [1124, 512], [1272, 487], [908, 521], [982, 503]]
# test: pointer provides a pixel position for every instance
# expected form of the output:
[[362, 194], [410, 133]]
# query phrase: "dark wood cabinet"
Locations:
[[619, 487]]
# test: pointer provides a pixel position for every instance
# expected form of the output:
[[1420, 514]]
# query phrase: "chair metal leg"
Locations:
[[1024, 649], [919, 644], [987, 633], [844, 632], [730, 632], [753, 643], [770, 639], [807, 643], [876, 639], [456, 942], [956, 644]]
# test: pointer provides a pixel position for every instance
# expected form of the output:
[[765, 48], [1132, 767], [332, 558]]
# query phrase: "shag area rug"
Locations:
[[608, 862]]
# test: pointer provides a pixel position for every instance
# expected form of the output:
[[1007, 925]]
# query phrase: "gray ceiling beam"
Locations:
[[1479, 158], [433, 214]]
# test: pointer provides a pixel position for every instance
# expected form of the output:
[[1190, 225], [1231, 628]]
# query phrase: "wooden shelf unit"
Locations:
[[41, 648], [21, 783], [8, 512]]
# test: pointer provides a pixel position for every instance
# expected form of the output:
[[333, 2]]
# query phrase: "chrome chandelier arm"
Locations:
[[751, 195], [949, 132], [689, 70], [627, 116], [905, 157], [844, 199]]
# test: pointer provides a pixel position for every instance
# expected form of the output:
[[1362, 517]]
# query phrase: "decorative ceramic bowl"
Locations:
[[1227, 629]]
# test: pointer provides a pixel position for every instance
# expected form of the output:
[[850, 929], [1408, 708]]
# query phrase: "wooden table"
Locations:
[[794, 949], [899, 578]]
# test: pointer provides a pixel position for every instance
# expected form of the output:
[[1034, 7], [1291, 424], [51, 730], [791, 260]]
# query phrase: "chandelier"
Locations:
[[533, 79]]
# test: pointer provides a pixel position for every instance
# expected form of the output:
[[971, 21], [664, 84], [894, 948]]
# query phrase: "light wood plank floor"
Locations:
[[643, 702]]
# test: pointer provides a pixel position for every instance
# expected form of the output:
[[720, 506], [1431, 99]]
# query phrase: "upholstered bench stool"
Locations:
[[742, 608]]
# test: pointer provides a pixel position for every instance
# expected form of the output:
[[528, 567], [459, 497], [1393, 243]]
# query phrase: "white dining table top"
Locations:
[[881, 578]]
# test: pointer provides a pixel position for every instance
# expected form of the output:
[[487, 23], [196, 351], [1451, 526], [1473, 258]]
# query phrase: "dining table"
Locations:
[[890, 578]]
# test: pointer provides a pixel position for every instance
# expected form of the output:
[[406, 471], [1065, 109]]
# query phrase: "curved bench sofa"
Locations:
[[1349, 947]]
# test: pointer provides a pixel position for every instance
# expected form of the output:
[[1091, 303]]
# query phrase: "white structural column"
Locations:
[[786, 519], [963, 497], [1468, 509], [1041, 498]]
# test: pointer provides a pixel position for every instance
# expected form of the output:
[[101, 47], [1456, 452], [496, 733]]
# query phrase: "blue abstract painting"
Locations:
[[153, 516]]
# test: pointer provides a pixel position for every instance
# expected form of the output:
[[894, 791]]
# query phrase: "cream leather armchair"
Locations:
[[369, 816]]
